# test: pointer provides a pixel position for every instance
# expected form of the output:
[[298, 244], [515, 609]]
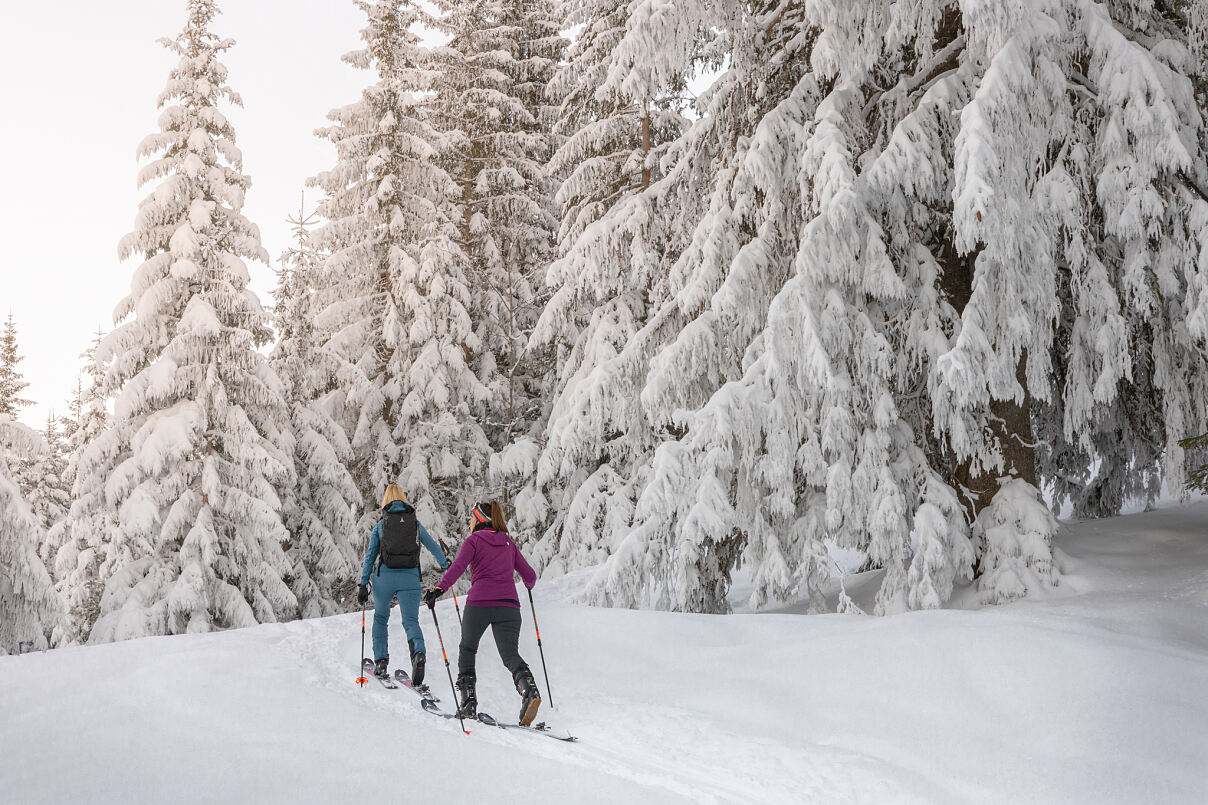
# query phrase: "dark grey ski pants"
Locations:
[[504, 623]]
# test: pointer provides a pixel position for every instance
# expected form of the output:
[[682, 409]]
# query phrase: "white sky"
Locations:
[[78, 84]]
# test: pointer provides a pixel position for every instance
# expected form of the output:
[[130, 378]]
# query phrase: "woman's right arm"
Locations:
[[375, 542]]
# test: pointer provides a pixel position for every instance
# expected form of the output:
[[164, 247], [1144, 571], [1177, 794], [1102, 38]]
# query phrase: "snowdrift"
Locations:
[[1095, 694]]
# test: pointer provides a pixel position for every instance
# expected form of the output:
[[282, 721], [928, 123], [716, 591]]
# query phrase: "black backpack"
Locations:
[[400, 540]]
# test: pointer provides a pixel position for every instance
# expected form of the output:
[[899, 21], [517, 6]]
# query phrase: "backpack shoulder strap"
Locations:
[[381, 525]]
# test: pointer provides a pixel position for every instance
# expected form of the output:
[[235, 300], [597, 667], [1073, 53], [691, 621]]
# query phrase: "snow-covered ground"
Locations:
[[1096, 694]]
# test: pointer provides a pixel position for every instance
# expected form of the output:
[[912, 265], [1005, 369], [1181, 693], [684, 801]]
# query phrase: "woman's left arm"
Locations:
[[433, 547], [527, 574], [375, 542], [464, 554]]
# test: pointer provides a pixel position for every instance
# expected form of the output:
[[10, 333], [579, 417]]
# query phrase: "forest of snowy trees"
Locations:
[[907, 278]]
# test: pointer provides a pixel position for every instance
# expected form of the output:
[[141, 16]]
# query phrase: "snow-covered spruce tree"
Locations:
[[38, 474], [395, 293], [725, 492], [969, 176], [83, 561], [48, 489], [685, 543], [318, 511], [199, 420], [1102, 234], [492, 99], [70, 424], [60, 435], [12, 382], [1016, 528], [612, 136], [1123, 445], [27, 469], [621, 108], [30, 612]]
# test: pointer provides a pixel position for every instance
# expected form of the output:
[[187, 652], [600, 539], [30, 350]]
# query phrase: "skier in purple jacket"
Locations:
[[492, 558]]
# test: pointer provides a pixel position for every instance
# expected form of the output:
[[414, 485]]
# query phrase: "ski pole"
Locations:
[[544, 670], [452, 687], [458, 608], [361, 680]]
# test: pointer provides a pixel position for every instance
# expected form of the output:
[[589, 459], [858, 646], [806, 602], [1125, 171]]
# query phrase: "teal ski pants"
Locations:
[[387, 584]]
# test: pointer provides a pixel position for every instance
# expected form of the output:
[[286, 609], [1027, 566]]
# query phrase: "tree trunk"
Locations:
[[645, 144], [1011, 426], [1010, 422]]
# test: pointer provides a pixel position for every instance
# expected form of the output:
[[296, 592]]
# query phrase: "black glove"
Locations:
[[431, 596], [362, 594]]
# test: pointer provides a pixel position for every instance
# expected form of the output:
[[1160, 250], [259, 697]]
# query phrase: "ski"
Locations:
[[404, 679], [367, 670], [539, 728], [430, 707], [426, 699]]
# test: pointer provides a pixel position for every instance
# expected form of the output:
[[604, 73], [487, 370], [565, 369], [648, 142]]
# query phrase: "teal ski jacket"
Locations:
[[375, 545]]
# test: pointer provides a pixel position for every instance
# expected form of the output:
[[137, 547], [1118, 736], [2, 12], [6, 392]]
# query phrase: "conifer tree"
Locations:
[[318, 510], [930, 242], [12, 383], [39, 475], [86, 535], [618, 115], [395, 291], [200, 433], [611, 141], [30, 612], [492, 97], [69, 425], [48, 489]]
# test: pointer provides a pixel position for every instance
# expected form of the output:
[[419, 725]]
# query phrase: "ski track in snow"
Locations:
[[1088, 693], [661, 747]]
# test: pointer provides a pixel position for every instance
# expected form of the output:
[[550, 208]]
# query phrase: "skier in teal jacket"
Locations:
[[397, 574]]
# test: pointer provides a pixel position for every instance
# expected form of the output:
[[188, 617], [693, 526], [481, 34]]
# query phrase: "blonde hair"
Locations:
[[393, 493]]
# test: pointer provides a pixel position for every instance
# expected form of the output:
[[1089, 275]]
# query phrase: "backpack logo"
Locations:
[[400, 540]]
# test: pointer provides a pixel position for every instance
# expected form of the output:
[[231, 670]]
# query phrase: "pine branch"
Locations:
[[1192, 185]]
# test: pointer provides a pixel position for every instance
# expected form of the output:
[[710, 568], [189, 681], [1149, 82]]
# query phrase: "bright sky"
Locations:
[[78, 89]]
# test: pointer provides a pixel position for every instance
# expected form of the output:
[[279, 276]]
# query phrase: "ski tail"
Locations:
[[539, 729]]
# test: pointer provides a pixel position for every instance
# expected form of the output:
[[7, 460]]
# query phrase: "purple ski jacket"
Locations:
[[492, 558]]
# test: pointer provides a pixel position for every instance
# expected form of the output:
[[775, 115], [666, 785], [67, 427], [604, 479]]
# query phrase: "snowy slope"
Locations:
[[1096, 694]]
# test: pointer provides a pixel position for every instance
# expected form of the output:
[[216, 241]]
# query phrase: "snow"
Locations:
[[1089, 694]]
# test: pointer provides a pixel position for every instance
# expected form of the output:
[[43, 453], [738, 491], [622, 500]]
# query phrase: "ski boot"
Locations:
[[469, 701], [530, 694], [417, 669], [380, 668]]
